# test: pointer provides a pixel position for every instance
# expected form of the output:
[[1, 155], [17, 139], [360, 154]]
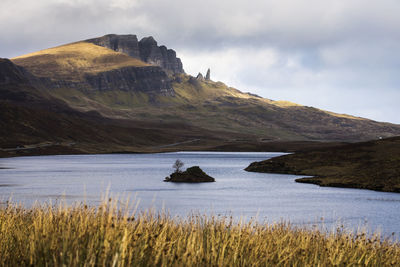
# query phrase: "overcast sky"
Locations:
[[339, 55]]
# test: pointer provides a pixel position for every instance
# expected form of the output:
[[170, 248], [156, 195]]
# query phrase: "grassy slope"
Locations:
[[215, 106], [71, 61], [46, 120], [107, 236], [370, 165]]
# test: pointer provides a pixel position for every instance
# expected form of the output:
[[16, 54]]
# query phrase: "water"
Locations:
[[266, 197]]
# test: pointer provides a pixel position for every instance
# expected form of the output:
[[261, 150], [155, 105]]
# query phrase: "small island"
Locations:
[[191, 175]]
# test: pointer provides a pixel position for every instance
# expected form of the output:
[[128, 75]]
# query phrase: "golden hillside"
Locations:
[[71, 61]]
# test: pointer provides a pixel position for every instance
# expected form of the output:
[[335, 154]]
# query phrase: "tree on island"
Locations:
[[178, 165]]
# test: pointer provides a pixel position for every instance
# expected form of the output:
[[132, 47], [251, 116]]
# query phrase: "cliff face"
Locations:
[[145, 49], [151, 53], [127, 44], [150, 80], [88, 67]]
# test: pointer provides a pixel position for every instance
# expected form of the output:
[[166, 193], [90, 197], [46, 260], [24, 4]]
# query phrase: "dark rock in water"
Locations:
[[191, 175]]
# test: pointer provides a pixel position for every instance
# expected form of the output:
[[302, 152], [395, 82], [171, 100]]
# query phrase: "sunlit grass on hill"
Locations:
[[109, 235], [70, 61]]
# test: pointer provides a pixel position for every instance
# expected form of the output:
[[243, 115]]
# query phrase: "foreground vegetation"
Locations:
[[110, 236], [368, 165]]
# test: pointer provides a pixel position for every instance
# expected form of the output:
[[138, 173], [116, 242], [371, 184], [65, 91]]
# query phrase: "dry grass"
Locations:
[[71, 61], [209, 90], [111, 236]]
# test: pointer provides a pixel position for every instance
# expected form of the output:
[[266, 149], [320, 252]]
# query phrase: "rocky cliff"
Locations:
[[146, 49], [88, 67], [151, 80]]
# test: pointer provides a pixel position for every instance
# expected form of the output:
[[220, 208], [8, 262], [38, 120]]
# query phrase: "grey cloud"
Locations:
[[308, 51]]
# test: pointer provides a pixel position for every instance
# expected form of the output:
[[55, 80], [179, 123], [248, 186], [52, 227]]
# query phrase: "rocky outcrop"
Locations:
[[127, 44], [200, 77], [151, 53], [146, 49], [191, 175], [208, 75]]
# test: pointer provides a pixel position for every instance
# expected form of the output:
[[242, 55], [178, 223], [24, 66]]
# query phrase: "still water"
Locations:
[[266, 197]]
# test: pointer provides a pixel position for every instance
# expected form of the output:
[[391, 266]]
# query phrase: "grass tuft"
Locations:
[[111, 235]]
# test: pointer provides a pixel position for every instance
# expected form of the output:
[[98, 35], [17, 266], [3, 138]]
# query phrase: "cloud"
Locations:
[[313, 52]]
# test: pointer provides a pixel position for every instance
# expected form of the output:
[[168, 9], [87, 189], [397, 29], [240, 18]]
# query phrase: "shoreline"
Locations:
[[201, 145], [372, 165]]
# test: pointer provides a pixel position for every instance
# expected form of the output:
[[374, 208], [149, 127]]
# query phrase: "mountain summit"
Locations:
[[146, 50]]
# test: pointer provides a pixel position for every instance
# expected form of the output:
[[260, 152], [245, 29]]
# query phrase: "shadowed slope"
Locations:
[[34, 122], [370, 165]]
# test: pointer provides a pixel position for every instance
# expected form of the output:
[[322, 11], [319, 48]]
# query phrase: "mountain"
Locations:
[[34, 122], [87, 67], [371, 165], [119, 78]]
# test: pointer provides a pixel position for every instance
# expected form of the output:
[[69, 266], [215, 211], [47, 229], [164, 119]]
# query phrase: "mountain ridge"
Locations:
[[146, 50], [92, 78]]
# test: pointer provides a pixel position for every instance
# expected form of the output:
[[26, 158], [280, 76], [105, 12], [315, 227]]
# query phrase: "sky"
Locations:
[[337, 55]]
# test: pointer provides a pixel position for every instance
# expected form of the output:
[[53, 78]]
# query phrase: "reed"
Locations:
[[111, 235]]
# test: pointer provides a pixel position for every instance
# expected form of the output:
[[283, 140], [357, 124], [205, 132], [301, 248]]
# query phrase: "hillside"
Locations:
[[72, 61], [371, 165], [121, 79], [34, 122]]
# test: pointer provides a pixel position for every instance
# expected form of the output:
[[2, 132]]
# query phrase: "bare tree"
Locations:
[[178, 165]]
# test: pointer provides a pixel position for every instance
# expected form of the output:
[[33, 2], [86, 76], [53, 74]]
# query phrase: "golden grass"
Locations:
[[72, 60], [110, 236], [209, 90], [344, 116]]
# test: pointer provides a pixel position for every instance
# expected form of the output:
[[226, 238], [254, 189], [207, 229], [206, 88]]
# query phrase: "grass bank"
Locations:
[[371, 165], [109, 235]]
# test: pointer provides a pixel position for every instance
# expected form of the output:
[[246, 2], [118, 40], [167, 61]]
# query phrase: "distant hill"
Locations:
[[371, 165], [120, 78]]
